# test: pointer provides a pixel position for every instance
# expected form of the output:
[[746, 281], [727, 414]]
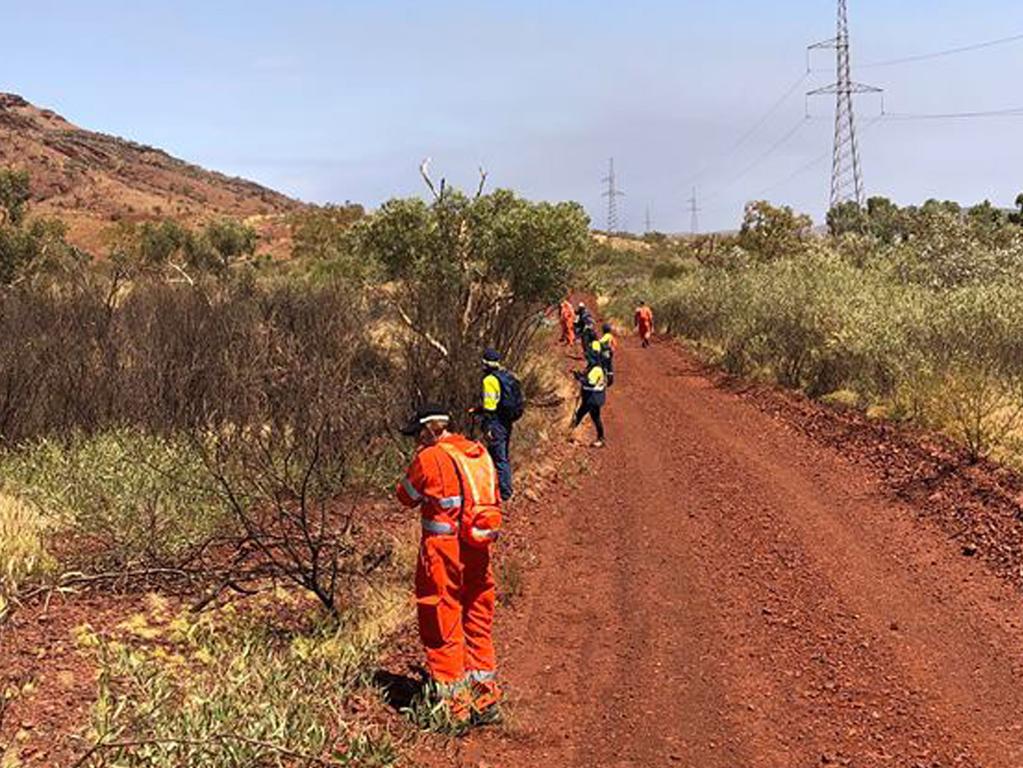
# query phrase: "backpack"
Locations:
[[512, 404], [479, 523]]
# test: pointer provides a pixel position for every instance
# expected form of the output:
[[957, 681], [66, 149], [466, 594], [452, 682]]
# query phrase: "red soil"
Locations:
[[740, 583]]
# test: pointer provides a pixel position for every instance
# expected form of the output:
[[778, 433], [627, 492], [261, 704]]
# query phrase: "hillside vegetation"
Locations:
[[912, 313], [92, 180]]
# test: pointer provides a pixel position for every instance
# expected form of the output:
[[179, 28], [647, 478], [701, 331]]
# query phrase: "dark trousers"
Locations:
[[609, 370], [594, 412], [498, 443]]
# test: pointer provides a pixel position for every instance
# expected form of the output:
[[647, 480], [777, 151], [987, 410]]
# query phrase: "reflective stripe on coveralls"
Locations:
[[438, 527], [411, 490]]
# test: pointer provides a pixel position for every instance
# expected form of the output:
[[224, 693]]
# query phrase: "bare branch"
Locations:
[[483, 181], [425, 334], [424, 171], [188, 278]]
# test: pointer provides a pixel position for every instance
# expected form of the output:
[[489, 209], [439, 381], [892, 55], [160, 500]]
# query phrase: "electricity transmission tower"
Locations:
[[846, 176], [648, 229], [612, 194], [694, 211]]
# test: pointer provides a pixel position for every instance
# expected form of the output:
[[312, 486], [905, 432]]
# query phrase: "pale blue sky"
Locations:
[[329, 101]]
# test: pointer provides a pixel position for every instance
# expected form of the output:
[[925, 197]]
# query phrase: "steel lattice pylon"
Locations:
[[846, 174], [612, 194]]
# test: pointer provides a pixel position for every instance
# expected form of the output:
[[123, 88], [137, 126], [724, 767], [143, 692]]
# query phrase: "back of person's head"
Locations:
[[491, 358]]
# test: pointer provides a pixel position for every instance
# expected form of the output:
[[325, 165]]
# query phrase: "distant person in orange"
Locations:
[[567, 318], [454, 483], [644, 323]]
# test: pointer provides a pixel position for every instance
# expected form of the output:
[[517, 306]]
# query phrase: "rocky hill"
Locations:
[[93, 180]]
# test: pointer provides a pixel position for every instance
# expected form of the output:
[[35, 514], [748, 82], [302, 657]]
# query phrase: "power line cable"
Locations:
[[870, 124], [816, 161], [939, 54], [761, 158], [1012, 112], [756, 127]]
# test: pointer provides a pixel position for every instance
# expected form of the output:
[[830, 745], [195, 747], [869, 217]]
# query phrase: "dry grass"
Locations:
[[22, 546]]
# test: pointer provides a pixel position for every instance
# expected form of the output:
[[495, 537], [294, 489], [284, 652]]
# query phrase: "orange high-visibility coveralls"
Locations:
[[455, 589], [645, 323], [567, 317]]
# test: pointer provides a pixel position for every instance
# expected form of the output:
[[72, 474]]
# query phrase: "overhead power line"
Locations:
[[1012, 112], [940, 54], [816, 161], [785, 138], [775, 106], [867, 126]]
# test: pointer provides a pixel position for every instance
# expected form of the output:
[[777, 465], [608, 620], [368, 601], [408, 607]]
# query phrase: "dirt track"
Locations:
[[723, 591]]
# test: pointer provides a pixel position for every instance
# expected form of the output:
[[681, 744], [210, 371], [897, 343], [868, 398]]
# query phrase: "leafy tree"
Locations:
[[470, 272], [933, 206], [159, 243], [29, 248], [985, 216], [1017, 218], [14, 194], [846, 217], [166, 249], [885, 220], [319, 233], [219, 245], [322, 236], [770, 233]]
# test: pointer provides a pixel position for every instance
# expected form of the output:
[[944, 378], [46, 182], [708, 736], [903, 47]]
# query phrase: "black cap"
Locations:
[[491, 357], [607, 327], [424, 415]]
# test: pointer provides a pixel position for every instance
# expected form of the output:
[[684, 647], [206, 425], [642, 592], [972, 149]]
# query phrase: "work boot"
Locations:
[[460, 708], [457, 701], [486, 702]]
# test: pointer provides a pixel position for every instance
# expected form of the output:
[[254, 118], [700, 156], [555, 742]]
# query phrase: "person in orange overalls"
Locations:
[[644, 322], [567, 317], [454, 584]]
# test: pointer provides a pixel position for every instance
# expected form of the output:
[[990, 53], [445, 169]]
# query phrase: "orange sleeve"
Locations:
[[411, 488], [423, 480]]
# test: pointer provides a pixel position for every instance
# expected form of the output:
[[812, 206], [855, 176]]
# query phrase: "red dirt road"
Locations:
[[724, 592]]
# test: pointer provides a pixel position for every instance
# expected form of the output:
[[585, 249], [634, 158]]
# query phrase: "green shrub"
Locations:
[[226, 690], [130, 498]]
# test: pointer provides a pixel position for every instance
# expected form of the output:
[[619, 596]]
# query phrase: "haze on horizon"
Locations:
[[334, 101]]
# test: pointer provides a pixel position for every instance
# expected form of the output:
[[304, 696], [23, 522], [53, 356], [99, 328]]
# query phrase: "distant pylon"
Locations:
[[612, 194], [649, 228], [694, 214], [846, 175]]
